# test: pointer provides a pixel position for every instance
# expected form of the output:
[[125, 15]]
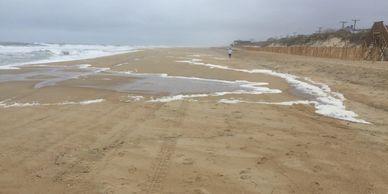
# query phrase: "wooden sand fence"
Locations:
[[349, 53]]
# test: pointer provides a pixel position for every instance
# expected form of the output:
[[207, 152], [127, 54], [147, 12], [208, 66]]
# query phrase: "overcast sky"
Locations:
[[176, 22]]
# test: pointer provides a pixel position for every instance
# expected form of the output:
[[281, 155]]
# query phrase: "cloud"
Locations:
[[174, 22]]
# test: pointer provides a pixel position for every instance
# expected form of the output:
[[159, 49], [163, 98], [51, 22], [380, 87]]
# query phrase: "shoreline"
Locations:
[[326, 102], [66, 52]]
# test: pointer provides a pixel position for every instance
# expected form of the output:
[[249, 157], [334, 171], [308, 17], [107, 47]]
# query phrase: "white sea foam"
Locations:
[[135, 98], [15, 55], [9, 104], [84, 66], [177, 97], [215, 94], [286, 103], [93, 69], [121, 64], [229, 101], [8, 67], [91, 101], [17, 104], [326, 102]]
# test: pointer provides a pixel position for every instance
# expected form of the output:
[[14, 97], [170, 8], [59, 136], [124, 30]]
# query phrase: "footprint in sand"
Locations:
[[244, 174], [132, 170], [262, 160], [185, 160], [188, 161], [201, 191], [290, 153]]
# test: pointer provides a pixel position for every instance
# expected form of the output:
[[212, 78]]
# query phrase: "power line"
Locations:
[[320, 30], [343, 24], [355, 22]]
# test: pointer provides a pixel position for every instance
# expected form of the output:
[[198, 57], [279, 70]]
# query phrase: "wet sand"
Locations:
[[129, 145]]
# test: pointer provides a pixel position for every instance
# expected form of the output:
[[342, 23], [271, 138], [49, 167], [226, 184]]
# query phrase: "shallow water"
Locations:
[[173, 88], [46, 76], [137, 82], [151, 84]]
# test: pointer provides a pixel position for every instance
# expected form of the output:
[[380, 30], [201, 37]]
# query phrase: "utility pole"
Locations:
[[355, 22], [319, 30], [343, 24]]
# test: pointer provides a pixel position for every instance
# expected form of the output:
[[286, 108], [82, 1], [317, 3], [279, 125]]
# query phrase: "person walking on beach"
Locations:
[[230, 51]]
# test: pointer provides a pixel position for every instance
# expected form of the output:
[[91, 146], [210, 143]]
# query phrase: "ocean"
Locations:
[[14, 54]]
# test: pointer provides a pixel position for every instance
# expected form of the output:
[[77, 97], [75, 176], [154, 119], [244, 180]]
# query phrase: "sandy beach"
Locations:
[[157, 121]]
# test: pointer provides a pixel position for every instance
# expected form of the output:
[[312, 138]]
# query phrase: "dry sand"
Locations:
[[200, 147]]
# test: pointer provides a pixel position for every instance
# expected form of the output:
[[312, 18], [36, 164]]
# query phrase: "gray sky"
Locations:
[[176, 22]]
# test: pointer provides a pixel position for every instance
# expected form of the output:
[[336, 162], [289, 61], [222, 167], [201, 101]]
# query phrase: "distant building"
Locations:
[[242, 43]]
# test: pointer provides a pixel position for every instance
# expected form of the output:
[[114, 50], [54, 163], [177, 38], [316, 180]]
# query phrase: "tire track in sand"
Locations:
[[161, 163], [118, 137]]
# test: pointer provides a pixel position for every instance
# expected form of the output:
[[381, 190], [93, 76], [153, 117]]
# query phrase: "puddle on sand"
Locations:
[[326, 102], [155, 84], [46, 76], [136, 82]]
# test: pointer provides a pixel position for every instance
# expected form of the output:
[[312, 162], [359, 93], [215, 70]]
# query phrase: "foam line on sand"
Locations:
[[326, 102], [8, 104]]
